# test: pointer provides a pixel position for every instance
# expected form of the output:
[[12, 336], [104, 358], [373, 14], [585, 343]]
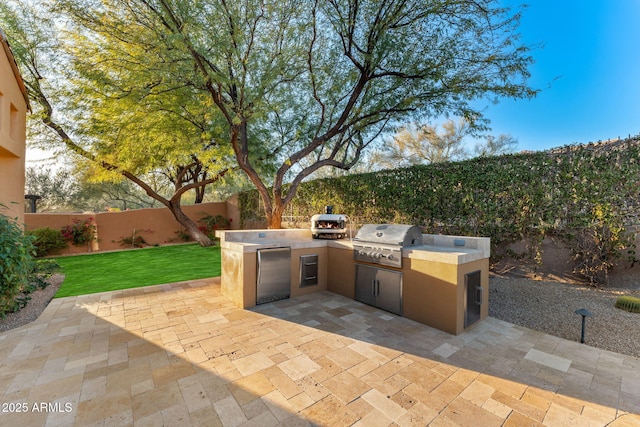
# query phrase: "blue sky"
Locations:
[[588, 70]]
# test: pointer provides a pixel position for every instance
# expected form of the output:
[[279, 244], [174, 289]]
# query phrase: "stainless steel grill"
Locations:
[[383, 243]]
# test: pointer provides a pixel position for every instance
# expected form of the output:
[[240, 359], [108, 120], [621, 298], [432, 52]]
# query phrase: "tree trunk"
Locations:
[[274, 221], [191, 227], [199, 194], [274, 217]]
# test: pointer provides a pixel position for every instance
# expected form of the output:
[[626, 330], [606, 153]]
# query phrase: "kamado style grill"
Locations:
[[382, 243]]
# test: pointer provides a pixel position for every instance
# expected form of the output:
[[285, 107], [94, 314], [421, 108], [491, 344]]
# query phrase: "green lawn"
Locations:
[[86, 274]]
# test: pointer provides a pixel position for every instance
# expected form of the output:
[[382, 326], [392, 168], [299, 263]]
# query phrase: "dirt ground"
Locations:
[[557, 266]]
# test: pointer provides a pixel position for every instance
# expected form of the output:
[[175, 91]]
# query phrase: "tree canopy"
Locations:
[[288, 87], [414, 144], [120, 122]]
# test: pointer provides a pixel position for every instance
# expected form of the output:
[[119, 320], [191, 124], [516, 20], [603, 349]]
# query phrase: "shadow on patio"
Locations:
[[181, 354]]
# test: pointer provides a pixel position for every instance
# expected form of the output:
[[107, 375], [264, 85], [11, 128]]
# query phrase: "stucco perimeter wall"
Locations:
[[157, 226]]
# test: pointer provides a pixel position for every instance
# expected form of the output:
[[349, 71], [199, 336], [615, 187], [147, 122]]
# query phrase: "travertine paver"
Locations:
[[181, 354]]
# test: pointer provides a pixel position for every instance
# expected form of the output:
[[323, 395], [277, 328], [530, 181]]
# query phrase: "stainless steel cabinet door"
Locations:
[[365, 284], [389, 290], [379, 287]]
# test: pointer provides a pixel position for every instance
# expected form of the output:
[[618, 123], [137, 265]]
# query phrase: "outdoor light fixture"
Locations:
[[584, 313], [32, 198]]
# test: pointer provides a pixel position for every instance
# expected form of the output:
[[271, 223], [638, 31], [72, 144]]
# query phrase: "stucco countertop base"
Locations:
[[433, 275]]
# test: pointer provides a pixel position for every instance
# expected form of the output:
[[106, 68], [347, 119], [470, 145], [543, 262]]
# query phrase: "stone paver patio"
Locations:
[[181, 354]]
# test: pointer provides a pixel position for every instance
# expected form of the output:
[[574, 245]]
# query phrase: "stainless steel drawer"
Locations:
[[308, 270]]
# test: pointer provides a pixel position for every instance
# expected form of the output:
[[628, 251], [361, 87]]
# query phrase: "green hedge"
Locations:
[[585, 194]]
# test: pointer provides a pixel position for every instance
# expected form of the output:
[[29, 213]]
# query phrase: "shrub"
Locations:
[[182, 236], [601, 243], [132, 242], [211, 223], [47, 241], [135, 240], [38, 279], [628, 303], [16, 263], [41, 271], [79, 232], [587, 195]]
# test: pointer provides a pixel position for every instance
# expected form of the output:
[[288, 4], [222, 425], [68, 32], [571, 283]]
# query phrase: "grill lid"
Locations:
[[391, 234]]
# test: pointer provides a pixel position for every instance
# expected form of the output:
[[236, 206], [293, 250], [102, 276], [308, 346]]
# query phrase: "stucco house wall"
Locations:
[[13, 117]]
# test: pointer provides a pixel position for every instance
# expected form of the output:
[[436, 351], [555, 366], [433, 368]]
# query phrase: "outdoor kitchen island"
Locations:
[[444, 281]]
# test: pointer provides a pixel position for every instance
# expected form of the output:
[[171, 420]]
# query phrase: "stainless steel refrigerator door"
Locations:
[[274, 275]]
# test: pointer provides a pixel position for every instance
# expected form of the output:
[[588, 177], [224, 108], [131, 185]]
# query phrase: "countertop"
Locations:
[[250, 242], [444, 254]]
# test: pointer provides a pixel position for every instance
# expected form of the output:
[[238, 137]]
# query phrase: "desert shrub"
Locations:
[[211, 223], [132, 242], [628, 303], [135, 240], [47, 241], [79, 232], [41, 271], [600, 244], [16, 263], [182, 235]]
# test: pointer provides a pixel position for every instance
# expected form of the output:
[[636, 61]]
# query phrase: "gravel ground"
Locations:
[[544, 306], [550, 307], [38, 302]]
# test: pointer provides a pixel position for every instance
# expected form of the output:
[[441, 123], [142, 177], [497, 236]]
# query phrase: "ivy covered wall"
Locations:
[[586, 194]]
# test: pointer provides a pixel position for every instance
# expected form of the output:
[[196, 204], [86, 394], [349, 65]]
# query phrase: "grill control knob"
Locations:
[[390, 257]]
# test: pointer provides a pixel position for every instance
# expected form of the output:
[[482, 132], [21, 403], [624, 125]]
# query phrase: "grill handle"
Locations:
[[479, 295], [375, 287]]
